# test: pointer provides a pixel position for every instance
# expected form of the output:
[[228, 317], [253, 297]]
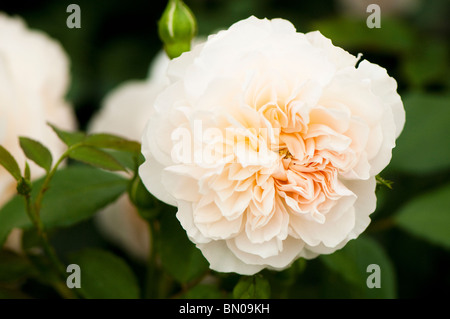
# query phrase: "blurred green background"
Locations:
[[411, 225]]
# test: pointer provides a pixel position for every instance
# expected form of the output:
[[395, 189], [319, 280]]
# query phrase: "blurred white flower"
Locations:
[[125, 112], [34, 76], [268, 142]]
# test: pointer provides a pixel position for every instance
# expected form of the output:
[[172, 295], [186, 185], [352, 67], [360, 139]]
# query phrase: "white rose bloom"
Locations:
[[247, 201], [34, 76], [125, 112]]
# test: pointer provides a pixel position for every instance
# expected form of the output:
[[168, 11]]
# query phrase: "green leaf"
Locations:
[[75, 194], [27, 172], [96, 157], [428, 216], [69, 138], [36, 152], [252, 287], [9, 163], [394, 36], [427, 64], [114, 142], [43, 270], [288, 276], [13, 267], [105, 276], [423, 145], [384, 182], [129, 160], [30, 240], [352, 261], [179, 256]]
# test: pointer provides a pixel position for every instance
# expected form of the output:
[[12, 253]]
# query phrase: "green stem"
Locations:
[[59, 285], [33, 212], [165, 286], [150, 281], [51, 253], [48, 178], [34, 216], [29, 210]]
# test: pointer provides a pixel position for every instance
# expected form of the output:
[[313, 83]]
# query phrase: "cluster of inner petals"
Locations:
[[303, 178], [305, 187]]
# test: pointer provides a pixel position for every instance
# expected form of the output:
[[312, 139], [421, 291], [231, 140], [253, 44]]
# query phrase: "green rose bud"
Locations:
[[23, 186], [177, 27]]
